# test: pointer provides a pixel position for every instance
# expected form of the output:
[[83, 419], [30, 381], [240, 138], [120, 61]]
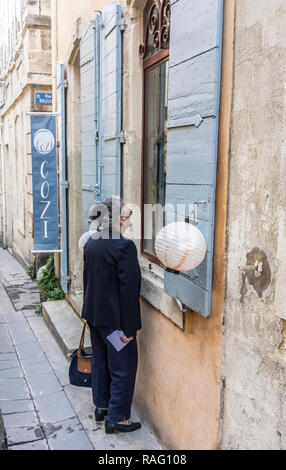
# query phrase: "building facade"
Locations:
[[25, 72], [166, 397], [179, 103]]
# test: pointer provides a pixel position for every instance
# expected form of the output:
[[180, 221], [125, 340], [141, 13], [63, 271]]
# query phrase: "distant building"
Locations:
[[25, 70]]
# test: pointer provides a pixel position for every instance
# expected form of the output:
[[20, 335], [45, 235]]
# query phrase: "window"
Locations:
[[155, 54], [2, 94]]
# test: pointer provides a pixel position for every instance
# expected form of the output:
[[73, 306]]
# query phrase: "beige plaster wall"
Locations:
[[255, 353], [70, 11], [178, 382]]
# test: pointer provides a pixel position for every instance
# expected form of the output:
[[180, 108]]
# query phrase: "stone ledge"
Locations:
[[153, 291], [76, 301], [65, 325]]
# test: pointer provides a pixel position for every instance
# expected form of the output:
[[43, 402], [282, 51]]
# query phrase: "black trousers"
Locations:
[[113, 374]]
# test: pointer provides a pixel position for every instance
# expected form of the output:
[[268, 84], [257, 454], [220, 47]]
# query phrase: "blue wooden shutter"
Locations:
[[89, 119], [111, 99], [63, 174], [194, 93], [101, 70]]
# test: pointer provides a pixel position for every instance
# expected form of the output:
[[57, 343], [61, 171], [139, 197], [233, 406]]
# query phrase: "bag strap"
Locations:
[[81, 343]]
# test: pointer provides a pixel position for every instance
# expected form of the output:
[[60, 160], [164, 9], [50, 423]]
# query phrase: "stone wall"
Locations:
[[255, 353], [30, 71]]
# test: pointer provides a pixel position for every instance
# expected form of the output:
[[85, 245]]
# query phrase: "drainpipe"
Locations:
[[55, 58], [99, 78], [97, 44]]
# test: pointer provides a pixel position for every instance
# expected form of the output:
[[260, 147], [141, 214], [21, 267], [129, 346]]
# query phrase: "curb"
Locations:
[[3, 442]]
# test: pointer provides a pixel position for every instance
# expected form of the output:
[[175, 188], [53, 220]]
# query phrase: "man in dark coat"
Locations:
[[112, 281]]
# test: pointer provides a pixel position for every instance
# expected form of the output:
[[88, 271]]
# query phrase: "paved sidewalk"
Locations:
[[40, 409]]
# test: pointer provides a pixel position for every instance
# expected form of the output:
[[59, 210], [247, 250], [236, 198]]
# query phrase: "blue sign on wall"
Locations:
[[44, 98], [45, 188]]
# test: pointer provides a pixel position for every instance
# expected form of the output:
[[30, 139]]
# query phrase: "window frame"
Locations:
[[148, 64]]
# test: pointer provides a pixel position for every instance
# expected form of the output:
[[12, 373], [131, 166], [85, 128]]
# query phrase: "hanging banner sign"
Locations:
[[45, 188]]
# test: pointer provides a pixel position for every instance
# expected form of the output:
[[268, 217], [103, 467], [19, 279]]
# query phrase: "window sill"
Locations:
[[153, 291]]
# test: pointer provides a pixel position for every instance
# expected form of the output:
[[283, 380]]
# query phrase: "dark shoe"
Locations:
[[110, 428], [100, 415]]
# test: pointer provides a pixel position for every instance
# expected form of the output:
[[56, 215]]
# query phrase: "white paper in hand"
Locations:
[[114, 339]]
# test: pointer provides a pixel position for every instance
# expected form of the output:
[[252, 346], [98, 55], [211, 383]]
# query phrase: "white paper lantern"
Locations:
[[180, 246], [83, 239]]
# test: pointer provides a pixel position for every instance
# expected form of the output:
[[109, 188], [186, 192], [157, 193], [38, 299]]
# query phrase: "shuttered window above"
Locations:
[[101, 107]]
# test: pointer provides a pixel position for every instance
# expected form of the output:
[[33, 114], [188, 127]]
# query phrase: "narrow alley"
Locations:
[[40, 409], [158, 126]]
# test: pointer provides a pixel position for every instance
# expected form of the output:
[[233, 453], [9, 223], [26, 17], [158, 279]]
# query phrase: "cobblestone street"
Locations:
[[40, 409]]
